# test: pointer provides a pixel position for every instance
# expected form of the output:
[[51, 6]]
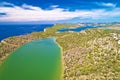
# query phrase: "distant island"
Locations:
[[90, 53]]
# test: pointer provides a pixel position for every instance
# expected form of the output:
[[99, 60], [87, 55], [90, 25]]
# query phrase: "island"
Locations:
[[90, 54]]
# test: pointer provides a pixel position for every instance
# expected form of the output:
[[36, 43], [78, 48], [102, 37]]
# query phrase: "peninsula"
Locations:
[[90, 54]]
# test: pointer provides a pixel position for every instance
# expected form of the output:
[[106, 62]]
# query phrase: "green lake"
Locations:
[[37, 60]]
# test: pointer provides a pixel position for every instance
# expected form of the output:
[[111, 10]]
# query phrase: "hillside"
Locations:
[[92, 54]]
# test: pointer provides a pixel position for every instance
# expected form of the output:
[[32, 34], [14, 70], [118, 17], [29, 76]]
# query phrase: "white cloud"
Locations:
[[6, 3], [109, 4], [54, 6], [106, 4], [26, 13]]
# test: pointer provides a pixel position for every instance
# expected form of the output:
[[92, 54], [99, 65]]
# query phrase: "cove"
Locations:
[[78, 29], [37, 60]]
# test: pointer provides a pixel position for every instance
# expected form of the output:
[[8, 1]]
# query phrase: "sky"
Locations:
[[59, 11]]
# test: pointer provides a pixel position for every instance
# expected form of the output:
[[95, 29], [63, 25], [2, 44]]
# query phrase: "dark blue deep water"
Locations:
[[78, 29], [15, 30]]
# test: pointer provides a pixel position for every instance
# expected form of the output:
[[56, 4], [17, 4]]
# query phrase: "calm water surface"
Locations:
[[16, 30], [37, 60], [78, 29]]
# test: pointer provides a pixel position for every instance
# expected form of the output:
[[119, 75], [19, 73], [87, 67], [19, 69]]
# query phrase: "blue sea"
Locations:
[[78, 29], [16, 30]]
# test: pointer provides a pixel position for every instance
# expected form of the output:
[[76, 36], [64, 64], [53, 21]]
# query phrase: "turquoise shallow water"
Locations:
[[37, 60]]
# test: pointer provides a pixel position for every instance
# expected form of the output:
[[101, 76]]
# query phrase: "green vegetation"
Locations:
[[30, 64], [92, 54]]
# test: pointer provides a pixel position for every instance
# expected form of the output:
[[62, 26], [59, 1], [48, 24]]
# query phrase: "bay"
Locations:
[[16, 30]]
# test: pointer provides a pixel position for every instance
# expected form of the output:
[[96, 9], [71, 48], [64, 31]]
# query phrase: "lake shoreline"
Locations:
[[54, 39], [62, 60], [56, 56], [76, 47]]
